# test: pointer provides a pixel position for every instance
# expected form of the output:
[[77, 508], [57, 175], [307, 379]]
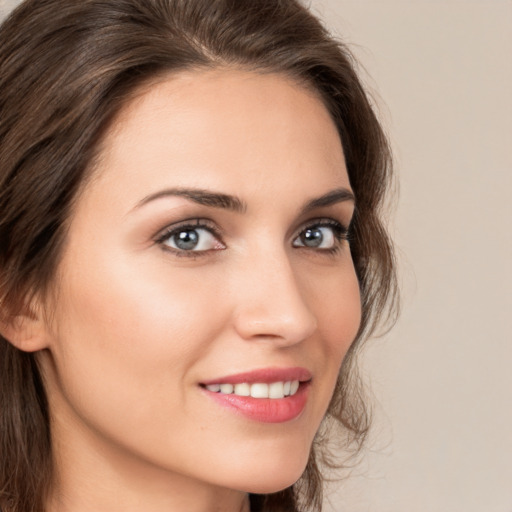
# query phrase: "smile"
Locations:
[[273, 390], [270, 395]]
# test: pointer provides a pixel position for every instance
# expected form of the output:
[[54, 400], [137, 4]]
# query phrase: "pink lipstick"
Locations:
[[270, 395]]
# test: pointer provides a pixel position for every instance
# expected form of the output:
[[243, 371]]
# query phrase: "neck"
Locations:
[[100, 491], [76, 502], [91, 475]]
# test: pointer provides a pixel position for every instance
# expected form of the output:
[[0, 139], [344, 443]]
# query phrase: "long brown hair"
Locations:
[[66, 68]]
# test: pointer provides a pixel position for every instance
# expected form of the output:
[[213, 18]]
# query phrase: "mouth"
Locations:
[[267, 395], [273, 390]]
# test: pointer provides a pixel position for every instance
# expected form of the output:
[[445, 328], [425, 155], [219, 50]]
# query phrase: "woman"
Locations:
[[191, 254]]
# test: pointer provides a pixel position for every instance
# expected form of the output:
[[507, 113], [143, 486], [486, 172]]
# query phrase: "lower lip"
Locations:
[[265, 410]]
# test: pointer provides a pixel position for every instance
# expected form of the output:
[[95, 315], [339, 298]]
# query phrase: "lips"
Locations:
[[265, 375], [271, 395]]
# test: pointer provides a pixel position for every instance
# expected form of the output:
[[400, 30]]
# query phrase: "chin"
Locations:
[[274, 477], [276, 483]]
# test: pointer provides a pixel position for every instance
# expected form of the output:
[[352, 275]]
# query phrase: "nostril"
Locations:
[[275, 327]]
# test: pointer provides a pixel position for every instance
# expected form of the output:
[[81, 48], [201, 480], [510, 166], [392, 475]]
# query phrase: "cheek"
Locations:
[[136, 309], [337, 304], [342, 319], [127, 336]]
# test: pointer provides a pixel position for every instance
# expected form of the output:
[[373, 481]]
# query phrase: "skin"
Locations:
[[135, 326]]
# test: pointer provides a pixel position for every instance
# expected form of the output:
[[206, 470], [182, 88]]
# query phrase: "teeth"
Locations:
[[242, 389], [226, 389], [275, 390], [259, 390]]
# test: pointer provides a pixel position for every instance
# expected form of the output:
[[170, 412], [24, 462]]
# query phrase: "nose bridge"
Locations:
[[270, 303]]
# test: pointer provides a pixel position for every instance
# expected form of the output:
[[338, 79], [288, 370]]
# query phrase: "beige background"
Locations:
[[442, 77]]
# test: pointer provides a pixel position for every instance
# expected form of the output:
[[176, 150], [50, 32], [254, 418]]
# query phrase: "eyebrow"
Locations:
[[338, 195], [233, 203], [200, 196]]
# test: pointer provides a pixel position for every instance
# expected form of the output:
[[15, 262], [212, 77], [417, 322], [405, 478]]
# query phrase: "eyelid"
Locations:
[[341, 234], [339, 226], [193, 223]]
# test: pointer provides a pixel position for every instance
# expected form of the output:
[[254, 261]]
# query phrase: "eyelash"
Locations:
[[341, 233], [173, 230]]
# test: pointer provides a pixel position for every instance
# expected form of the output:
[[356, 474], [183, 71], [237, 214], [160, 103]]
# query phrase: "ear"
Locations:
[[27, 331]]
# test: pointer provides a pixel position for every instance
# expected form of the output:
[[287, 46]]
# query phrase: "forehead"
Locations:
[[224, 129]]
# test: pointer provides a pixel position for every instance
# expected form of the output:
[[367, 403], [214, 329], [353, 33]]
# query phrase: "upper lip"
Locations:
[[264, 375]]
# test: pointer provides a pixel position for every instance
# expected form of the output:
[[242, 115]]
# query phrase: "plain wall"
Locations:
[[441, 75]]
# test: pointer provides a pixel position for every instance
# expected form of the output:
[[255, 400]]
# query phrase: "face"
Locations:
[[206, 260]]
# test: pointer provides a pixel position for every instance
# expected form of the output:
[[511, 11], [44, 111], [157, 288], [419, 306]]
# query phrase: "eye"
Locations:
[[191, 238], [325, 235]]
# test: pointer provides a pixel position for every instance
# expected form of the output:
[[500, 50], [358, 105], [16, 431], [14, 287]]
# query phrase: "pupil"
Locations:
[[187, 240], [312, 237]]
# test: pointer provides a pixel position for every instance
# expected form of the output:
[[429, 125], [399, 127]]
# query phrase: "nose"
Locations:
[[270, 303]]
